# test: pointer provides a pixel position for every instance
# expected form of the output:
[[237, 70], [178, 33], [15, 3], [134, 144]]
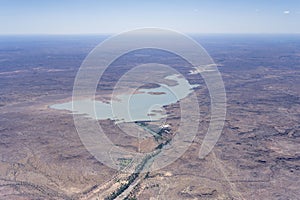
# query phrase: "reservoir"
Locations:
[[144, 105]]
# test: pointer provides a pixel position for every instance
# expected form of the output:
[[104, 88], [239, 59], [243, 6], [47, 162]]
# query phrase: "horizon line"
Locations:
[[110, 34]]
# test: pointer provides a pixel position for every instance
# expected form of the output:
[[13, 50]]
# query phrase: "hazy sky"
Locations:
[[113, 16]]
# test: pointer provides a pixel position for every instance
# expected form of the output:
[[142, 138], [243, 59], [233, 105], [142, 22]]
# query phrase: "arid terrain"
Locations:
[[256, 157]]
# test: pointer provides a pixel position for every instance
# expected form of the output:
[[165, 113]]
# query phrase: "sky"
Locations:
[[114, 16]]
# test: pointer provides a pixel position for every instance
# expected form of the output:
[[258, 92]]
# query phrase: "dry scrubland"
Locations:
[[257, 156]]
